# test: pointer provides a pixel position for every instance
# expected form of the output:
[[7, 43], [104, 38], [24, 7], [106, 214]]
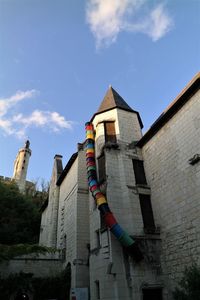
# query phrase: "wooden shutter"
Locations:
[[110, 135], [147, 213], [138, 167]]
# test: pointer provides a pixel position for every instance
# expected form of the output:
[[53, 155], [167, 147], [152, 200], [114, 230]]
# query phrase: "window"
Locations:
[[101, 168], [64, 246], [97, 244], [147, 213], [138, 167], [97, 289], [152, 293], [109, 129], [102, 222]]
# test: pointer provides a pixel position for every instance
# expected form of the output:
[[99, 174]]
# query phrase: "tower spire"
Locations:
[[21, 166], [113, 100]]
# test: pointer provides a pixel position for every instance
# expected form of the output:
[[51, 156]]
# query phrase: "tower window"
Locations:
[[147, 213], [109, 129], [22, 168], [101, 168], [24, 161], [138, 167]]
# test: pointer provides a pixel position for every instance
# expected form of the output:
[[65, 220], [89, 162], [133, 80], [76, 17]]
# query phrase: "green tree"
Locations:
[[189, 286], [57, 287], [19, 216]]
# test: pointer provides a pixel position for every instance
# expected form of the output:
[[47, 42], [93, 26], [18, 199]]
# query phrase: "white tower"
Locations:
[[21, 166]]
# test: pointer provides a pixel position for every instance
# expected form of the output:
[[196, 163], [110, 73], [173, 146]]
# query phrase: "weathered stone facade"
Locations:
[[21, 166], [152, 185], [20, 170]]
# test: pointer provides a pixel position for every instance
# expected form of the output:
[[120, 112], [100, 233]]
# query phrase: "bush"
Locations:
[[57, 287], [189, 286]]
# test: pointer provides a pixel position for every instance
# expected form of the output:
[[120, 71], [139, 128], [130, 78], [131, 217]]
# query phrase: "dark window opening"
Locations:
[[102, 222], [109, 129], [97, 289], [152, 293], [24, 161], [97, 240], [147, 213], [102, 168], [64, 248], [22, 168], [138, 167]]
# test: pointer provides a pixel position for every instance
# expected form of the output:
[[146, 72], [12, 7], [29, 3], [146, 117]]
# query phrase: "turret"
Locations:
[[116, 122], [21, 166]]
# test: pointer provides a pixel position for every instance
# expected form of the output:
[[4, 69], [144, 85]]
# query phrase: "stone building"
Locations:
[[152, 186]]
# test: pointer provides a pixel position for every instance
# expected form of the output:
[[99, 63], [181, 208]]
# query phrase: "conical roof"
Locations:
[[113, 100]]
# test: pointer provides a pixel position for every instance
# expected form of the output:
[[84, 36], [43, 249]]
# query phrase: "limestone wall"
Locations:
[[175, 188], [73, 221], [49, 220], [111, 271], [40, 267]]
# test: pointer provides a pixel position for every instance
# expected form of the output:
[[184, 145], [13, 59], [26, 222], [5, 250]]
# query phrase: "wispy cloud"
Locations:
[[38, 118], [107, 18], [7, 103], [18, 124]]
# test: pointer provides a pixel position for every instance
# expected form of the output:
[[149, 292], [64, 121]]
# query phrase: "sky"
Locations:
[[58, 58]]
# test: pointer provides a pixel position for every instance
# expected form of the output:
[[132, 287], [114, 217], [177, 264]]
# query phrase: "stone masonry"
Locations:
[[152, 185]]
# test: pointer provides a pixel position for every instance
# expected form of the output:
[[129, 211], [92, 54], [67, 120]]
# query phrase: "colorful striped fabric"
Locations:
[[127, 242]]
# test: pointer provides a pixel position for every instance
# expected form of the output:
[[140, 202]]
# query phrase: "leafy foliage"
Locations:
[[57, 287], [40, 194], [19, 216], [20, 221], [8, 252], [189, 286]]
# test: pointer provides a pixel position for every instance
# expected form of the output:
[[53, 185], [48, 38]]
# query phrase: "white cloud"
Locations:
[[47, 119], [12, 124], [7, 103], [107, 18], [6, 126], [160, 23]]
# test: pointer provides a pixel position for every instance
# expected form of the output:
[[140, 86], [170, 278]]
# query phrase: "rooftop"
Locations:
[[113, 100]]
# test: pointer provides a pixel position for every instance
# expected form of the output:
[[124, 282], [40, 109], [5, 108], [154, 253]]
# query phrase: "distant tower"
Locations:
[[21, 166]]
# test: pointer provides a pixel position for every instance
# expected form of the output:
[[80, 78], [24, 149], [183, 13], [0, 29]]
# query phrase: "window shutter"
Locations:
[[110, 135]]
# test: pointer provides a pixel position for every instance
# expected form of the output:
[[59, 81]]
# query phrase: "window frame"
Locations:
[[112, 138]]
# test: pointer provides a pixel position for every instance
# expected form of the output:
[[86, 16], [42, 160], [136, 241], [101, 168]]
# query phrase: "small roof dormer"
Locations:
[[113, 100]]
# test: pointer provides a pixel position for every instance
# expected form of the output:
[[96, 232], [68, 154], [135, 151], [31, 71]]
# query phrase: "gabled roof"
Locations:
[[113, 100], [190, 89]]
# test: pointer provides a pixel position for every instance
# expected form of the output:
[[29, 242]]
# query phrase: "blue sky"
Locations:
[[57, 59]]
